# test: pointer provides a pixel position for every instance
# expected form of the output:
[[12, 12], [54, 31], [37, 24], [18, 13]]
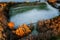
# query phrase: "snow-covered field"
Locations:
[[34, 15]]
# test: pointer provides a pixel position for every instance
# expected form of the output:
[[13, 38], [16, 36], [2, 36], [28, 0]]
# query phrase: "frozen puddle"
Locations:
[[33, 16]]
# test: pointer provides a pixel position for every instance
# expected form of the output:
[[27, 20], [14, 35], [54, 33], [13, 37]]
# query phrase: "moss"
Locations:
[[41, 6]]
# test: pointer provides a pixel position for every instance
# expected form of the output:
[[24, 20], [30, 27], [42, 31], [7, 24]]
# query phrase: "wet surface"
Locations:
[[34, 15]]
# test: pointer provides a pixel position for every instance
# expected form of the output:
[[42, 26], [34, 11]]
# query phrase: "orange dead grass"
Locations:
[[11, 25], [20, 32], [53, 1], [23, 30]]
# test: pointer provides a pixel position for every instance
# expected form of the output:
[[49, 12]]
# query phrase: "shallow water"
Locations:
[[34, 15]]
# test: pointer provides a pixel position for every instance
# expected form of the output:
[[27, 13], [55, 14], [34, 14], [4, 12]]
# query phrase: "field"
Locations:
[[39, 22]]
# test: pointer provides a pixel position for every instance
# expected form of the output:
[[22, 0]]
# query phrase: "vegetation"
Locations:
[[47, 29], [25, 8], [23, 30], [50, 26], [42, 6], [11, 25]]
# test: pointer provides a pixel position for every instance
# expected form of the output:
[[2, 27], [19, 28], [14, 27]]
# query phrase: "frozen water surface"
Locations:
[[34, 15]]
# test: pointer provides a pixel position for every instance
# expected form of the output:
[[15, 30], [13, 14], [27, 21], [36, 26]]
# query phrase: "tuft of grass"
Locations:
[[14, 12], [41, 6]]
